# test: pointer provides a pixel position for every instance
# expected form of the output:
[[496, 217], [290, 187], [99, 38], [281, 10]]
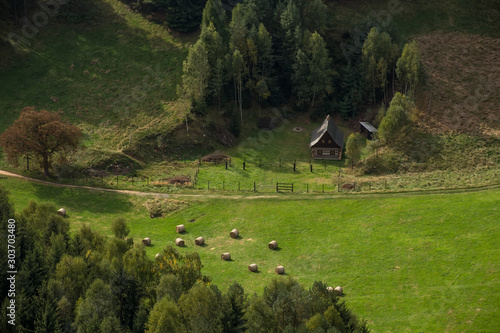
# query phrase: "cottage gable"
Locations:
[[327, 141]]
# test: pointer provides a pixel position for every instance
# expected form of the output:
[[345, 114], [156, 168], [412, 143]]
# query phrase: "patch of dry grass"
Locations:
[[463, 83]]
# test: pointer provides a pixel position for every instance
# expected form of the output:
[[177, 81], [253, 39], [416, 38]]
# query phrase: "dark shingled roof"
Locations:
[[328, 126]]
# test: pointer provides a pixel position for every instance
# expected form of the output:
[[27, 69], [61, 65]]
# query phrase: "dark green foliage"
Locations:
[[201, 310], [260, 317], [166, 317], [120, 228], [182, 15], [47, 317], [43, 218], [170, 285], [234, 304], [94, 308], [352, 91], [126, 294], [235, 124]]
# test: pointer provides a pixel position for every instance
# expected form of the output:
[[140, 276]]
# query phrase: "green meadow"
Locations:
[[422, 262]]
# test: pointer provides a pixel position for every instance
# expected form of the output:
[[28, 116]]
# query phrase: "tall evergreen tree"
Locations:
[[240, 70], [214, 13], [196, 70], [182, 15], [126, 295], [312, 70]]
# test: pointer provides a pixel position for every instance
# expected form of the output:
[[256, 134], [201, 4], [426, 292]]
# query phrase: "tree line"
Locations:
[[275, 51], [86, 282]]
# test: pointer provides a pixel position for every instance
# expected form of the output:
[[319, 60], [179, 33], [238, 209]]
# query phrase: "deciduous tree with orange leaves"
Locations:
[[41, 133]]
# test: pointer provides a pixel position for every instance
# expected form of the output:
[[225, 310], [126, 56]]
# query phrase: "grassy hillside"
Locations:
[[406, 262], [114, 77]]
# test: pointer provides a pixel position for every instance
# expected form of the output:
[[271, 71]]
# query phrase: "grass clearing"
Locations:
[[426, 262], [113, 78]]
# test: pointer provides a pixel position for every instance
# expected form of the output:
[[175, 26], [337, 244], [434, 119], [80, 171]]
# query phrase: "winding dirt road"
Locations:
[[44, 182]]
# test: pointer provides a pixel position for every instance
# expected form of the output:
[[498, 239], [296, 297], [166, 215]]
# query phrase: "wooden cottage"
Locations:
[[367, 130], [327, 141]]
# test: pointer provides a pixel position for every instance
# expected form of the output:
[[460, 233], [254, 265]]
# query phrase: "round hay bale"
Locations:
[[253, 267], [146, 241], [339, 290], [330, 289], [226, 256], [180, 228], [234, 233], [199, 241], [273, 245], [179, 242], [61, 212], [280, 270]]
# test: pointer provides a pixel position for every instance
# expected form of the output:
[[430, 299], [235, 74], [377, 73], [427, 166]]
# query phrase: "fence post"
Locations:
[[386, 184], [208, 184], [276, 187], [311, 166], [238, 185], [292, 187], [226, 165], [254, 188], [293, 166], [244, 165], [323, 188], [307, 188]]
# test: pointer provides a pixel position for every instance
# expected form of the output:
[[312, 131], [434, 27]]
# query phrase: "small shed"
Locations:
[[367, 130], [327, 141]]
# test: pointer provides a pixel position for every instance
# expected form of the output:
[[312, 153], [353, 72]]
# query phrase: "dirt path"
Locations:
[[44, 182], [244, 197], [129, 192]]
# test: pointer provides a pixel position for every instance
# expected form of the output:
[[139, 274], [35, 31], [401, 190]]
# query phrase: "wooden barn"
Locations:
[[367, 130], [327, 141]]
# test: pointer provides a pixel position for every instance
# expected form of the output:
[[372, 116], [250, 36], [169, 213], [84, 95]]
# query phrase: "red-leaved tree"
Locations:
[[41, 133]]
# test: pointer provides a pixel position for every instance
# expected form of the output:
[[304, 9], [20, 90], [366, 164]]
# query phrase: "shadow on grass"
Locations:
[[83, 200]]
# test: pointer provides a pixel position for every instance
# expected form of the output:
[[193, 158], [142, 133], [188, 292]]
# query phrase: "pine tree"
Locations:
[[239, 72], [196, 70], [182, 15], [214, 13], [312, 70]]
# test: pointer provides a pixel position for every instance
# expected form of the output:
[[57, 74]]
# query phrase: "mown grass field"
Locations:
[[408, 263]]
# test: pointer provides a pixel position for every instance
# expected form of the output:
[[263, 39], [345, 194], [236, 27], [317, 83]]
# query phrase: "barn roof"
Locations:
[[368, 126], [332, 129]]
